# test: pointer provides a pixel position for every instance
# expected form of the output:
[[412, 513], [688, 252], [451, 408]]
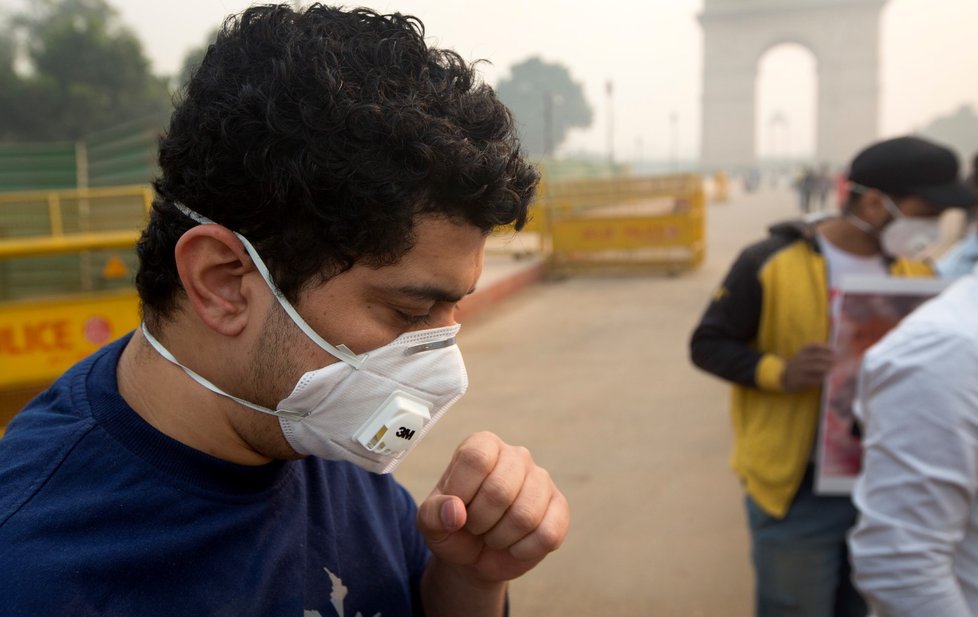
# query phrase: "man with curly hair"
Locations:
[[328, 182]]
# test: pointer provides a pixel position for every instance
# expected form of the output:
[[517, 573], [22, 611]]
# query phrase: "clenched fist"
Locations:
[[808, 368], [494, 514]]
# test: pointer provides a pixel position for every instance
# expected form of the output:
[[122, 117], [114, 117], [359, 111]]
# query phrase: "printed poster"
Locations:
[[868, 308]]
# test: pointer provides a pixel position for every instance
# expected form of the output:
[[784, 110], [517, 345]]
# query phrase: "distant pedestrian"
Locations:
[[752, 180], [823, 185], [766, 331], [805, 185]]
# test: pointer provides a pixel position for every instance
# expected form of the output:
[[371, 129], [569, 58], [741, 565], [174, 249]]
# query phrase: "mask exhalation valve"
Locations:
[[391, 429]]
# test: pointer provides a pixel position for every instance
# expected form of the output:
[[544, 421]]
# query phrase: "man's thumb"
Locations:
[[440, 516]]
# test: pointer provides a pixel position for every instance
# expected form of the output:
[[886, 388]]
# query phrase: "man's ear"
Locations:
[[212, 264]]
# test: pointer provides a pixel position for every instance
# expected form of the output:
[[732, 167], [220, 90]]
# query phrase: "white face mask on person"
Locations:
[[904, 236], [369, 409]]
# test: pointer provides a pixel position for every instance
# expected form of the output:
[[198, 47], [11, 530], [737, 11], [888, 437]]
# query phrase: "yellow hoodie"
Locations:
[[773, 302]]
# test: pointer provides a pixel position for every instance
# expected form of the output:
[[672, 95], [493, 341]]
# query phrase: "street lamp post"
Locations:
[[548, 124], [674, 140], [609, 89]]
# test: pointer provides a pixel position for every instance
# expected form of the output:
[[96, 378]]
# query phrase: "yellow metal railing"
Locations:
[[55, 242], [70, 211], [74, 243]]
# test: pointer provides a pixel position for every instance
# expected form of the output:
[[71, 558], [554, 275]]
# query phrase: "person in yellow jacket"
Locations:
[[766, 330]]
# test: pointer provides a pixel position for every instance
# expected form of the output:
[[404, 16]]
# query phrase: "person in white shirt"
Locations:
[[961, 258], [914, 549]]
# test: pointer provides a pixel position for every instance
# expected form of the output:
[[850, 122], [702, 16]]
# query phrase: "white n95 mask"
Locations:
[[904, 236], [375, 414], [910, 237], [369, 409]]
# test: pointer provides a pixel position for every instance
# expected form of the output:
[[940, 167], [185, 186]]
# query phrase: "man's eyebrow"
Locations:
[[430, 292]]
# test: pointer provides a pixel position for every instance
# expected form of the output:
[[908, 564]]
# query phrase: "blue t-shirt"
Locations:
[[101, 514]]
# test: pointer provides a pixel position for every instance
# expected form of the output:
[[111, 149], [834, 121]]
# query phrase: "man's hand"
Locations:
[[494, 514], [807, 369]]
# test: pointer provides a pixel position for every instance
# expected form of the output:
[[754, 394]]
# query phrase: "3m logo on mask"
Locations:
[[391, 428]]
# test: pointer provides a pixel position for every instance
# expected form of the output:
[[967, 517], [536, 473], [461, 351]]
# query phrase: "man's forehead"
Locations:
[[434, 278]]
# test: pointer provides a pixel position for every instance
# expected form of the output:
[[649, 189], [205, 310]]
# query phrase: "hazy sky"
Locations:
[[651, 50]]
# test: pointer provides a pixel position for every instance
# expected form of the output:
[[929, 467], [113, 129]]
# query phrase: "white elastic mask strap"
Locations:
[[892, 208], [863, 225], [163, 351], [341, 352], [888, 202]]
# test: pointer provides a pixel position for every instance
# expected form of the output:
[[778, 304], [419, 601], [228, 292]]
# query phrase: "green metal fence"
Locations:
[[125, 154], [31, 167], [122, 155]]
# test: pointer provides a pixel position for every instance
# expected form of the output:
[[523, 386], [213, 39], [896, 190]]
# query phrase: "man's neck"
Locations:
[[172, 403], [847, 237]]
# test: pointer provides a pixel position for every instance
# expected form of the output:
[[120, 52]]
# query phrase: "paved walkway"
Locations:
[[592, 375]]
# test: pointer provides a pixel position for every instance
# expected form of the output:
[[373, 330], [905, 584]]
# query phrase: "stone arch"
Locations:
[[843, 35], [805, 65]]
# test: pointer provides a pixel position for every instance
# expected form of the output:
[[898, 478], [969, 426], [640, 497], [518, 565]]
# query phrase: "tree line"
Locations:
[[70, 68]]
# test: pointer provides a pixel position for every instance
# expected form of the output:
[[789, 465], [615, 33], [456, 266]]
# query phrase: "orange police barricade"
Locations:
[[623, 224], [66, 259]]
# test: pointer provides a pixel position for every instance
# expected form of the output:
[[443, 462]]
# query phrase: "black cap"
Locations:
[[913, 166]]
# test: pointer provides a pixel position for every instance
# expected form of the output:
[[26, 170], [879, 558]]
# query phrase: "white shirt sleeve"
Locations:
[[918, 397]]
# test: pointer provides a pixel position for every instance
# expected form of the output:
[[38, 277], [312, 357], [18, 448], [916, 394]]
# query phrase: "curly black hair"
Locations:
[[320, 136]]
